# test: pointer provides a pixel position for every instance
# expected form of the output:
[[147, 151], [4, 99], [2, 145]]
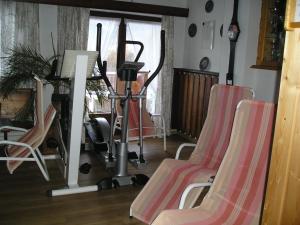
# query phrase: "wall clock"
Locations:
[[233, 34]]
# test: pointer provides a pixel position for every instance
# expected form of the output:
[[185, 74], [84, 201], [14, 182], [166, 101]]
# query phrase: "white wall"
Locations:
[[262, 81], [193, 45]]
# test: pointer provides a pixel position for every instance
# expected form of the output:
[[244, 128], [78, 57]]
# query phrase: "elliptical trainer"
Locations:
[[127, 72]]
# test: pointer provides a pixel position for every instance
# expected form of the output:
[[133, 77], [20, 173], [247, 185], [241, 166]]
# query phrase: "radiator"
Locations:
[[191, 90]]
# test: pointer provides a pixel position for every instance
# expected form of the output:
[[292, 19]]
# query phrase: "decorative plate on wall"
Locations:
[[204, 62], [192, 30], [209, 6]]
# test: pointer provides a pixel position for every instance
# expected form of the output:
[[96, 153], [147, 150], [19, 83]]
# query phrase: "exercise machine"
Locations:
[[127, 72]]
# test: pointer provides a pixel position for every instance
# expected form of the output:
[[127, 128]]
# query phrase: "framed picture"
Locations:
[[208, 30]]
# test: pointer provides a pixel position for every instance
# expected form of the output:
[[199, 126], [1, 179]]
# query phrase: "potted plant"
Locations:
[[23, 63]]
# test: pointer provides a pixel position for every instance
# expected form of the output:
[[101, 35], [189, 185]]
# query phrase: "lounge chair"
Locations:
[[27, 145], [236, 194], [164, 189]]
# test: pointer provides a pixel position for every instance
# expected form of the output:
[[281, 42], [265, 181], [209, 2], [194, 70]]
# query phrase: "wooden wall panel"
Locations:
[[191, 89], [189, 103], [181, 98], [200, 105], [195, 105], [207, 87], [185, 99], [282, 203]]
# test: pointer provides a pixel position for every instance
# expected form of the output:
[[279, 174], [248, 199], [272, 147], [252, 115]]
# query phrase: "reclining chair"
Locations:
[[27, 145], [164, 189], [236, 194]]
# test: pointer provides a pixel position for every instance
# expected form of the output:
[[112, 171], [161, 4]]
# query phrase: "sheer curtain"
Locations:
[[72, 32], [149, 34], [19, 24], [163, 104], [73, 26], [109, 44]]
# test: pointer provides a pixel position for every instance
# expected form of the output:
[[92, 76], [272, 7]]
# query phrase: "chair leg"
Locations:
[[41, 163]]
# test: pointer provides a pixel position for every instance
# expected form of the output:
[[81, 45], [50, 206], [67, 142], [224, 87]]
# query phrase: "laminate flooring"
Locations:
[[23, 199]]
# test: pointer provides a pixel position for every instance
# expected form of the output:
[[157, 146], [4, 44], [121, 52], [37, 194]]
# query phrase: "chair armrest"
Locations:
[[5, 142], [188, 190], [181, 147], [13, 128]]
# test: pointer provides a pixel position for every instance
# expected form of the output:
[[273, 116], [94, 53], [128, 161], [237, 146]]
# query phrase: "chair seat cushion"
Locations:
[[164, 189]]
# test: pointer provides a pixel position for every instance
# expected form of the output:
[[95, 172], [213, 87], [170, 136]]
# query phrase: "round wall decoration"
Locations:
[[192, 30], [209, 6], [204, 62]]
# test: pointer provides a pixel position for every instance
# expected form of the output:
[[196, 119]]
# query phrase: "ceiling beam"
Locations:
[[125, 16], [118, 5]]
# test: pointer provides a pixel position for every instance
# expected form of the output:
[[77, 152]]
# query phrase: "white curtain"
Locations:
[[164, 101], [109, 42], [149, 34], [73, 27], [19, 24], [109, 45]]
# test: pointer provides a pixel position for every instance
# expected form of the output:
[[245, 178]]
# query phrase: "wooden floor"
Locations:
[[23, 199]]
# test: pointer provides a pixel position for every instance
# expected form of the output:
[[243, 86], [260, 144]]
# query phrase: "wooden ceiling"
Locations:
[[118, 6]]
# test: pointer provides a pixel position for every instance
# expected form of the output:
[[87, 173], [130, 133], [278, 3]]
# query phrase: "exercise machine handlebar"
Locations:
[[140, 51], [98, 43], [102, 66], [161, 62]]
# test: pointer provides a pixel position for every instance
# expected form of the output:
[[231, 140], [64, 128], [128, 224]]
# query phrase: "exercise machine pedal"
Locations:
[[85, 168], [132, 155], [140, 179]]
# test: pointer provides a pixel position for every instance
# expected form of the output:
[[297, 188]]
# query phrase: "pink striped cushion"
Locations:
[[214, 138], [33, 137], [133, 121], [236, 194], [172, 176]]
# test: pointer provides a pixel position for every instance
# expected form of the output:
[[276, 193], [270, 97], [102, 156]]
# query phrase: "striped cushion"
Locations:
[[133, 121], [214, 138], [237, 192], [33, 137], [172, 176]]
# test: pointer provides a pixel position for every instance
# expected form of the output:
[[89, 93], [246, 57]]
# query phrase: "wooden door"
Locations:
[[282, 203]]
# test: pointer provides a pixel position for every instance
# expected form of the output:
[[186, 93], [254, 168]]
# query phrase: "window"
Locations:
[[146, 32]]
